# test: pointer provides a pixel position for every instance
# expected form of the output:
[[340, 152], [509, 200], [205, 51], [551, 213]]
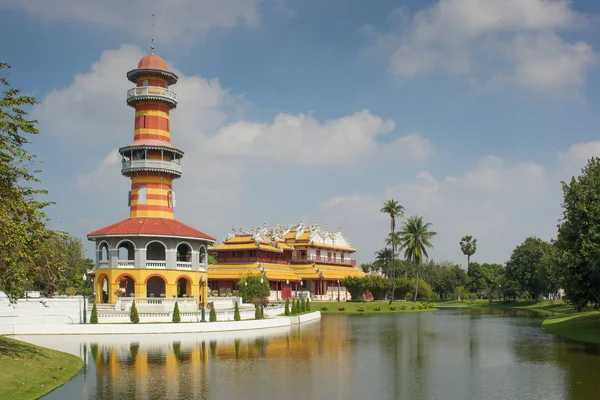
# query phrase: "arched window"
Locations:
[[184, 253], [202, 255], [170, 198], [142, 195], [103, 252], [126, 251], [156, 251]]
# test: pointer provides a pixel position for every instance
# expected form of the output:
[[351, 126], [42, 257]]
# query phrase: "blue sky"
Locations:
[[467, 112]]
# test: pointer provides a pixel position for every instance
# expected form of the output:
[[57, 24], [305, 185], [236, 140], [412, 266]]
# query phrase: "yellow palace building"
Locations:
[[297, 260], [150, 255]]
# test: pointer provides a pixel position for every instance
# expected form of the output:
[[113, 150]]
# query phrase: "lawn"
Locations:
[[29, 372], [584, 326], [370, 307]]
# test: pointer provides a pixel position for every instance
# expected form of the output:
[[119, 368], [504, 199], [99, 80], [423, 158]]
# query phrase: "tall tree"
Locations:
[[394, 210], [525, 270], [579, 235], [416, 240], [468, 245], [23, 228]]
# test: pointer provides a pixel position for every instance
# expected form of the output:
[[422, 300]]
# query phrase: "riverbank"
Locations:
[[372, 307], [562, 319], [29, 372]]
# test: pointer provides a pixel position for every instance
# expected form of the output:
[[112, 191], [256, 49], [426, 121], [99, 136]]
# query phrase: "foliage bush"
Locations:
[[254, 288], [393, 308], [403, 307], [236, 312], [342, 308], [303, 305], [298, 306], [287, 307], [356, 286], [378, 286], [377, 308], [212, 314], [176, 315], [256, 311], [324, 308], [133, 315], [307, 304], [360, 309], [70, 291], [94, 315]]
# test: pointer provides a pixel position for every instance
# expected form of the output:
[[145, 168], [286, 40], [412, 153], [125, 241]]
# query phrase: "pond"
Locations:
[[449, 354]]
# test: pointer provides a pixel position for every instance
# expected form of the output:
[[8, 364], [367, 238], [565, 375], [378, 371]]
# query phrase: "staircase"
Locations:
[[102, 307]]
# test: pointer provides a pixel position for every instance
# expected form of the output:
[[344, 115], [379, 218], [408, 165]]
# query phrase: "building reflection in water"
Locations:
[[182, 368]]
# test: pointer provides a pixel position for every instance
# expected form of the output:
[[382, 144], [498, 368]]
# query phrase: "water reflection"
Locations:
[[452, 354]]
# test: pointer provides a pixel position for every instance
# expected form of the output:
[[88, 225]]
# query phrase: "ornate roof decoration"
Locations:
[[277, 233]]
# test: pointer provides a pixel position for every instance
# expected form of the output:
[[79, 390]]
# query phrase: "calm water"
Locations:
[[450, 354]]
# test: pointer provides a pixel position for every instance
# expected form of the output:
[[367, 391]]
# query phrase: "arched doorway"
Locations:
[[184, 253], [184, 287], [156, 251], [126, 286], [126, 251], [103, 289], [155, 287]]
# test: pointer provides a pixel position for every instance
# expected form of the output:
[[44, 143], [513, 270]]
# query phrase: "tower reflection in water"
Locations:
[[182, 366]]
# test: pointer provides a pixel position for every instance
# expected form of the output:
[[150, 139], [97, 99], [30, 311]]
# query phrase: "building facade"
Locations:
[[150, 255], [297, 260]]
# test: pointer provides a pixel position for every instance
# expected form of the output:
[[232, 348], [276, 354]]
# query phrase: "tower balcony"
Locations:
[[140, 93], [170, 167]]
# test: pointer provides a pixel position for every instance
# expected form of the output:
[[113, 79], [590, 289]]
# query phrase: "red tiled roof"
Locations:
[[150, 226]]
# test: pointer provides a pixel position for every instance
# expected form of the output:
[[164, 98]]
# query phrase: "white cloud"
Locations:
[[186, 19], [575, 158], [502, 42], [303, 139]]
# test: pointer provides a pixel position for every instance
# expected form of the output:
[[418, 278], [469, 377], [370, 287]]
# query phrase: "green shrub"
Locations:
[[236, 312], [378, 286], [307, 304], [303, 305], [356, 286], [403, 307], [133, 315], [298, 306], [256, 311], [287, 307], [324, 308], [70, 291], [212, 314], [377, 308], [94, 316], [293, 311], [342, 308], [176, 315], [393, 308], [360, 309]]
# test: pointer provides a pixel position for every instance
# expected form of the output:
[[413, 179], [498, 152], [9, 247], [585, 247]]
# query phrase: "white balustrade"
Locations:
[[184, 265], [125, 263], [159, 165], [156, 264], [152, 91]]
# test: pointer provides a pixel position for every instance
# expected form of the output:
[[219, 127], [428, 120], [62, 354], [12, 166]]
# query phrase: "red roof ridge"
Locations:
[[150, 226]]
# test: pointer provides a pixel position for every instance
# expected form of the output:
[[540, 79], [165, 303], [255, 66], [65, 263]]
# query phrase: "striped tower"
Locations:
[[151, 162]]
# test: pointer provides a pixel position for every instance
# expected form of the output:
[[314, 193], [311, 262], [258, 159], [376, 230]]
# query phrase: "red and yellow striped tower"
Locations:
[[151, 161], [150, 254]]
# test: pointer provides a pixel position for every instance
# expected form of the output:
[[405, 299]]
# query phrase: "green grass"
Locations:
[[368, 307], [583, 326], [29, 372]]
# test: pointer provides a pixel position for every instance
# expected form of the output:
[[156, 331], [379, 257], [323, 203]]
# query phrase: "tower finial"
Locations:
[[152, 41]]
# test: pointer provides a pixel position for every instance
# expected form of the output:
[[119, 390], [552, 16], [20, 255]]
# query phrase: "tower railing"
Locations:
[[156, 165], [151, 91]]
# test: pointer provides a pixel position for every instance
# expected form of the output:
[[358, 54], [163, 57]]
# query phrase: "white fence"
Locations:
[[156, 304]]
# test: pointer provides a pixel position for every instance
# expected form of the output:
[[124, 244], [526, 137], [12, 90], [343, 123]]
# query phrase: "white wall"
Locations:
[[68, 310]]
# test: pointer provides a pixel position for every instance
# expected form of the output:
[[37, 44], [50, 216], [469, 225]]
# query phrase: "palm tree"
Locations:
[[415, 241], [468, 245], [394, 210], [382, 259]]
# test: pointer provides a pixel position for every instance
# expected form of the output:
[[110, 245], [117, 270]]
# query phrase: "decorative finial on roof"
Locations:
[[152, 41]]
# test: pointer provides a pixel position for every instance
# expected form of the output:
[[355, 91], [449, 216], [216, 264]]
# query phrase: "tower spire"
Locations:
[[152, 41]]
